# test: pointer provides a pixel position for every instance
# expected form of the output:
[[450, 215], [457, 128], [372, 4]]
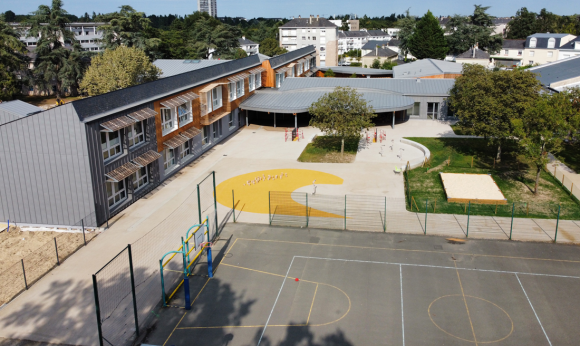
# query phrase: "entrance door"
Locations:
[[432, 110]]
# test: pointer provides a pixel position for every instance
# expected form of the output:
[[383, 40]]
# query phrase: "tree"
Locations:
[[466, 32], [376, 63], [271, 47], [60, 60], [9, 16], [543, 128], [342, 112], [210, 36], [117, 69], [12, 61], [329, 73], [407, 26], [344, 23], [388, 65], [523, 24], [128, 28], [428, 40], [489, 101], [240, 54], [353, 75]]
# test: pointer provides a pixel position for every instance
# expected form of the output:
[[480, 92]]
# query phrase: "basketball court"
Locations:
[[288, 286]]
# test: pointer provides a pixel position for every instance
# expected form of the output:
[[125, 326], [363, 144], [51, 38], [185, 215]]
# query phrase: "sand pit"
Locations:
[[474, 188]]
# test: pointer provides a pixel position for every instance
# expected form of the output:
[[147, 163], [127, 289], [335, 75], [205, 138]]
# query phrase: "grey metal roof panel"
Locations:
[[377, 33], [571, 44], [382, 52], [542, 40], [19, 108], [282, 59], [298, 101], [426, 67], [557, 71], [404, 86], [309, 23], [244, 41], [479, 54], [356, 34], [357, 70], [92, 108], [172, 67]]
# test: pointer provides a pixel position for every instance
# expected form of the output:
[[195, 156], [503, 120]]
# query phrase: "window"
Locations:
[[322, 32], [168, 124], [111, 144], [240, 88], [140, 178], [216, 129], [184, 150], [116, 193], [205, 134], [216, 96], [303, 30], [432, 110], [533, 42], [258, 80], [279, 79], [251, 82], [304, 37], [416, 110], [506, 52], [531, 62], [184, 112], [232, 87], [550, 54], [314, 31], [168, 158], [532, 53], [231, 120], [284, 39], [520, 53], [314, 38], [291, 72], [551, 42], [136, 133]]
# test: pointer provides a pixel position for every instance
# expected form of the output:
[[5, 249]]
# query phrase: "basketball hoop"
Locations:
[[206, 244]]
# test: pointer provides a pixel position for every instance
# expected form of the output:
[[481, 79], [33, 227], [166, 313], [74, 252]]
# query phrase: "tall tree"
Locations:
[[271, 47], [407, 26], [117, 69], [523, 24], [344, 23], [12, 61], [209, 36], [543, 128], [489, 101], [60, 60], [9, 16], [428, 40], [547, 21], [342, 112], [128, 28], [467, 31]]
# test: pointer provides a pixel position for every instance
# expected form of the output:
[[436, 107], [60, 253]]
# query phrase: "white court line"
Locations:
[[402, 313], [276, 301], [534, 310], [441, 267]]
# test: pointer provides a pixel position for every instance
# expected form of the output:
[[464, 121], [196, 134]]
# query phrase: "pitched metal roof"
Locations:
[[172, 67], [377, 33], [355, 33], [357, 70], [479, 54], [543, 38], [426, 67], [514, 44], [557, 71], [12, 110], [282, 59], [245, 41], [309, 23], [382, 52]]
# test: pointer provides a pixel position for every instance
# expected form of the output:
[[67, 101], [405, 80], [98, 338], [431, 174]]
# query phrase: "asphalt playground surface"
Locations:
[[359, 288]]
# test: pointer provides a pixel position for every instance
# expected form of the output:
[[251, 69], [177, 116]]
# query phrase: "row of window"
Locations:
[[551, 42], [174, 118], [117, 192], [112, 143], [293, 32]]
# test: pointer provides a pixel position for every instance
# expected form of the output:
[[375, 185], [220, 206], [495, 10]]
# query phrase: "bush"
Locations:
[[329, 73]]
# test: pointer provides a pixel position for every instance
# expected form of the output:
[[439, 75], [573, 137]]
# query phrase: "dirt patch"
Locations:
[[438, 168], [338, 158]]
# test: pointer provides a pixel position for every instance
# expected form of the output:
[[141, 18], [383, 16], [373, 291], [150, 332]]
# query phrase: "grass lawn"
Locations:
[[327, 149], [570, 156], [514, 176]]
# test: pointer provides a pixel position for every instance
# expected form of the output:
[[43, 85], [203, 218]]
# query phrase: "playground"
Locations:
[[276, 286]]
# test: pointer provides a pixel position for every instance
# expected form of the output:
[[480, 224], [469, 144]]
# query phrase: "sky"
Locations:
[[279, 8]]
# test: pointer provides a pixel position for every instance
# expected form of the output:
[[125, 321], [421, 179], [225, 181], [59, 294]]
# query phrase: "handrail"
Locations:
[[171, 252]]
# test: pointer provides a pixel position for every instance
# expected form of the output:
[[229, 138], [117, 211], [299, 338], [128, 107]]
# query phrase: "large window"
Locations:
[[251, 82], [240, 88], [533, 42], [184, 112], [168, 123], [184, 150], [432, 110], [136, 133], [216, 129], [205, 134], [116, 193], [111, 144], [168, 159], [415, 110], [550, 54], [215, 98], [531, 53], [231, 119], [279, 79], [258, 80], [140, 178], [232, 87], [551, 42]]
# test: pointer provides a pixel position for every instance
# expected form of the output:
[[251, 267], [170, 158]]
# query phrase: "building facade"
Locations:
[[88, 35], [208, 6], [249, 46], [544, 48], [316, 31], [511, 54]]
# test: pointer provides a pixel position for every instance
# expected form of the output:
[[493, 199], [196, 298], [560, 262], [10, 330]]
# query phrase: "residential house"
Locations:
[[297, 63], [249, 46], [317, 31], [570, 49], [544, 48], [381, 54], [499, 24], [510, 55], [353, 24], [88, 35], [559, 75], [474, 56], [429, 69]]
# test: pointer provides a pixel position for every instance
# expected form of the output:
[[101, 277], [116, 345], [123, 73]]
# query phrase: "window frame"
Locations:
[[167, 126], [132, 133], [167, 159], [114, 192], [252, 82], [110, 147], [232, 90], [231, 120], [433, 114], [258, 80], [138, 178], [205, 135], [551, 43], [184, 150], [533, 42], [531, 53], [188, 114], [240, 85], [216, 100]]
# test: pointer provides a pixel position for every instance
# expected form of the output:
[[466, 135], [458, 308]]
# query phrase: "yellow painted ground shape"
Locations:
[[251, 193]]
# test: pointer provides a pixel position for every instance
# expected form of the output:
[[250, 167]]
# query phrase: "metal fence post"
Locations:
[[306, 209], [468, 211], [97, 309], [133, 288], [426, 212], [198, 204], [385, 217], [557, 222], [512, 226], [269, 209], [84, 237], [344, 211], [215, 205], [56, 250], [233, 205], [24, 273]]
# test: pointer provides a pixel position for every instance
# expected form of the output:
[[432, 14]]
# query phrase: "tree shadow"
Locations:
[[305, 336]]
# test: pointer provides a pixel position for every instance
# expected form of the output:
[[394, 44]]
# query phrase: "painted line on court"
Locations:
[[169, 337], [408, 250], [311, 305], [465, 301], [402, 311], [534, 310], [276, 301], [441, 267]]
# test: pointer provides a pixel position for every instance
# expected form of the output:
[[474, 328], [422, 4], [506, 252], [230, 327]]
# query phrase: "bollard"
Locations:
[[512, 226], [468, 211], [557, 222], [56, 250]]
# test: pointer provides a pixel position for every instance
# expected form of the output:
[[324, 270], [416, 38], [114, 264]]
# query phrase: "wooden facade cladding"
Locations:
[[443, 76], [269, 76], [195, 112]]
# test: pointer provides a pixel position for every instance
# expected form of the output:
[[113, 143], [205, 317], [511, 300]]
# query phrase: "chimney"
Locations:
[[299, 16], [318, 17], [243, 37], [311, 16]]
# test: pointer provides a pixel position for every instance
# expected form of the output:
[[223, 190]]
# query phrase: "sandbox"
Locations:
[[474, 188]]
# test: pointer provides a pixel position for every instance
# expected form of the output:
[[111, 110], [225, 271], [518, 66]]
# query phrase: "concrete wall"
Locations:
[[540, 56], [45, 170], [443, 107]]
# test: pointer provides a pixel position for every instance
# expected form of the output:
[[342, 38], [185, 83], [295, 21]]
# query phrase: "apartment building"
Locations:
[[88, 35], [544, 48], [351, 40], [208, 6], [87, 160], [510, 55], [570, 49], [249, 46], [317, 31], [353, 24]]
